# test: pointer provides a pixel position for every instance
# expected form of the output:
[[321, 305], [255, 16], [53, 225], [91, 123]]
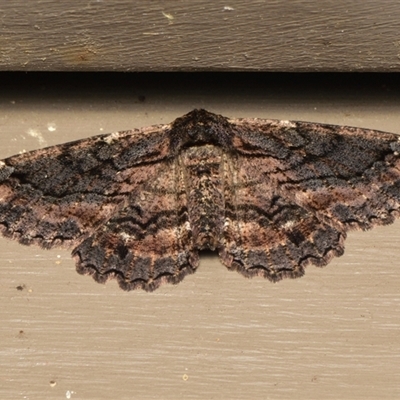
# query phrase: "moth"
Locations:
[[269, 196]]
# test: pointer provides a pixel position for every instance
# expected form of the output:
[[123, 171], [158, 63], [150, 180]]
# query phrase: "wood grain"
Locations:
[[200, 36], [332, 334]]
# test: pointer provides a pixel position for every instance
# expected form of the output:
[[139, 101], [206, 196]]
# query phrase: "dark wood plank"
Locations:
[[123, 35]]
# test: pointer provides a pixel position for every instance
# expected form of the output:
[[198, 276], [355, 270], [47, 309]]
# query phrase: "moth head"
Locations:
[[201, 127]]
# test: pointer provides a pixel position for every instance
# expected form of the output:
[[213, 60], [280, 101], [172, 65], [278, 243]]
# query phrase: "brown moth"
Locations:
[[270, 196]]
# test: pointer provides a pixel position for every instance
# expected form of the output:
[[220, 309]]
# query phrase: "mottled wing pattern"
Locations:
[[299, 188], [271, 196], [113, 196], [146, 243]]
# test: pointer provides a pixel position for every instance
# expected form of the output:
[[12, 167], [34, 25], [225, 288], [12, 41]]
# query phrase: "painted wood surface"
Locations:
[[332, 334]]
